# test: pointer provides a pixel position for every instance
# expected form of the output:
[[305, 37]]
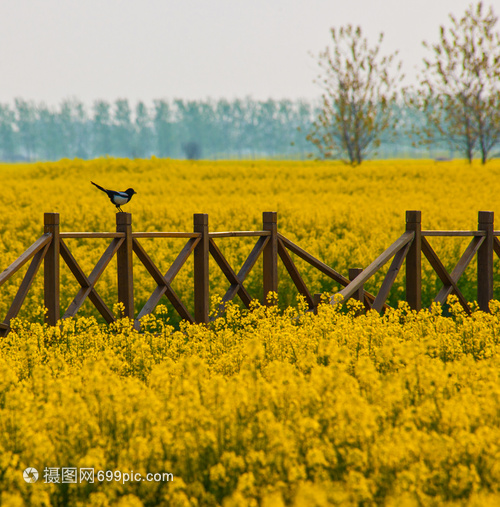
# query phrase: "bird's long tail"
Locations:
[[99, 187]]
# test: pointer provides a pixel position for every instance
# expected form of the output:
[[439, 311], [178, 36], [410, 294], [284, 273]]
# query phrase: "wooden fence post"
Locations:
[[124, 264], [414, 261], [270, 255], [51, 270], [485, 261], [360, 293], [317, 301], [201, 274]]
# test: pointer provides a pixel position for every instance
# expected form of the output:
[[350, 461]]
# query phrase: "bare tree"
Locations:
[[460, 85], [358, 98]]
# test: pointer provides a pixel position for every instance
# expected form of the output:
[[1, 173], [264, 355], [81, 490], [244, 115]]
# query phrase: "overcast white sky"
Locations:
[[51, 50]]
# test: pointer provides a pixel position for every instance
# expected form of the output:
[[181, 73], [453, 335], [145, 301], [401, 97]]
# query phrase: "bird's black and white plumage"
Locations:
[[117, 198]]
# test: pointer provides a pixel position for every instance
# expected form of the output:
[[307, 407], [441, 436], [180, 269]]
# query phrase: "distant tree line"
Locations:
[[364, 111], [178, 129], [242, 128]]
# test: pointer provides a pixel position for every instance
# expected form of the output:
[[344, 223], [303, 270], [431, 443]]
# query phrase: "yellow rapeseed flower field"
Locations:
[[342, 215], [266, 407]]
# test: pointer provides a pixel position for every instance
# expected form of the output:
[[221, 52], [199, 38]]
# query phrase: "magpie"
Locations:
[[117, 198]]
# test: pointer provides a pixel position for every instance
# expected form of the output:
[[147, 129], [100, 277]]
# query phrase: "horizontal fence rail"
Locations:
[[270, 245]]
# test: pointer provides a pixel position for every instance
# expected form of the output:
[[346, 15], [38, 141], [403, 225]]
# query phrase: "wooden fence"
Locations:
[[272, 245]]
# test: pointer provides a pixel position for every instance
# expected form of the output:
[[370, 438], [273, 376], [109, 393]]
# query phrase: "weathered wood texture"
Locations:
[[165, 281], [414, 260], [201, 267], [51, 270], [25, 257], [125, 265], [271, 245], [359, 295], [444, 276], [25, 285], [270, 256], [294, 274], [88, 283], [485, 260], [376, 265]]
